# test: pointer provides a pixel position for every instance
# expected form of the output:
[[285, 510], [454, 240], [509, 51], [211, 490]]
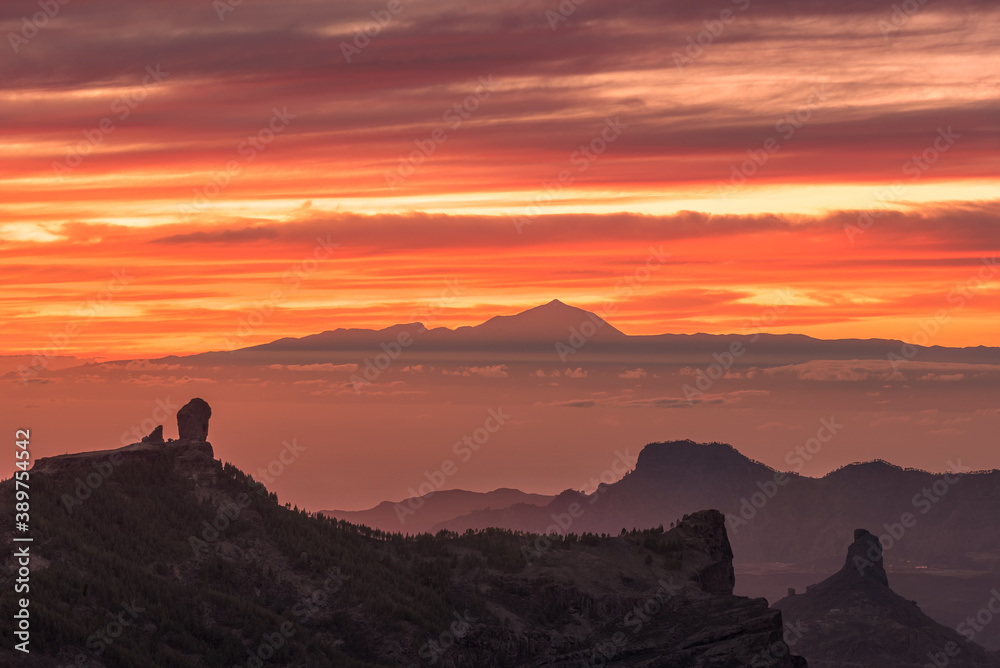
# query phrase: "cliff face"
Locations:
[[214, 567]]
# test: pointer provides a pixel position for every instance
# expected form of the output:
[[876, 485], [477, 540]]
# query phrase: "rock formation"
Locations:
[[854, 619], [155, 436], [192, 420], [864, 559]]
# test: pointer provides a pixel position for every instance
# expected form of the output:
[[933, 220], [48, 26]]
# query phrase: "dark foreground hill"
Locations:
[[854, 619], [938, 527], [158, 555]]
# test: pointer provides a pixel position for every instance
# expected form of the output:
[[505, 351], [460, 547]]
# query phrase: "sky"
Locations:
[[171, 169]]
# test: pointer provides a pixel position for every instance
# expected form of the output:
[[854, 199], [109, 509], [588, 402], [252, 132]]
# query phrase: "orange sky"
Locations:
[[846, 108]]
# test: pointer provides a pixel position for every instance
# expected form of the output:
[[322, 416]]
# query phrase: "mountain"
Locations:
[[421, 513], [537, 331], [776, 516], [542, 325], [158, 554], [945, 549], [853, 618], [553, 321]]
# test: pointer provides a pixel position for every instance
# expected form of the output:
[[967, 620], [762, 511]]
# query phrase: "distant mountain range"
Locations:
[[775, 516], [423, 513], [929, 521], [539, 330]]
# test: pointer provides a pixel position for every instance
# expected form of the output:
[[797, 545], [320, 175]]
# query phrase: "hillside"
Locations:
[[853, 618], [175, 559]]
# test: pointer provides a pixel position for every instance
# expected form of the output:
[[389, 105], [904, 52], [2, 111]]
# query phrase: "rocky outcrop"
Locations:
[[192, 420], [707, 552], [193, 458], [853, 618], [192, 454], [864, 559], [155, 436]]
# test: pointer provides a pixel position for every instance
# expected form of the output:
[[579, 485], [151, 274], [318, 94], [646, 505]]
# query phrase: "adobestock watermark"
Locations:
[[581, 159], [928, 328], [248, 323], [634, 621], [269, 645], [428, 315], [121, 109], [371, 368], [30, 27], [768, 489], [901, 15], [625, 288], [977, 623], [286, 457], [364, 34], [915, 168], [230, 509], [724, 361], [164, 410], [99, 641], [563, 522], [453, 119], [248, 150], [802, 454], [223, 7], [973, 625], [562, 13], [88, 310], [318, 599], [786, 127], [464, 449], [85, 486], [432, 650], [923, 501], [697, 44], [779, 650]]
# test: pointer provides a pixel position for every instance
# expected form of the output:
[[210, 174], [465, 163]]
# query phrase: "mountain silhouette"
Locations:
[[776, 516], [853, 618], [552, 321], [420, 514], [157, 554], [525, 335]]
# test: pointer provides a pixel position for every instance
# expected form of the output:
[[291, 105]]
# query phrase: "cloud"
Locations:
[[144, 365], [168, 381], [628, 401], [633, 374], [879, 370], [314, 367], [222, 236], [942, 376], [495, 371]]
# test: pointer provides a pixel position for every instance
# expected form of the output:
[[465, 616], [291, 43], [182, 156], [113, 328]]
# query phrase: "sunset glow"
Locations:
[[848, 156]]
